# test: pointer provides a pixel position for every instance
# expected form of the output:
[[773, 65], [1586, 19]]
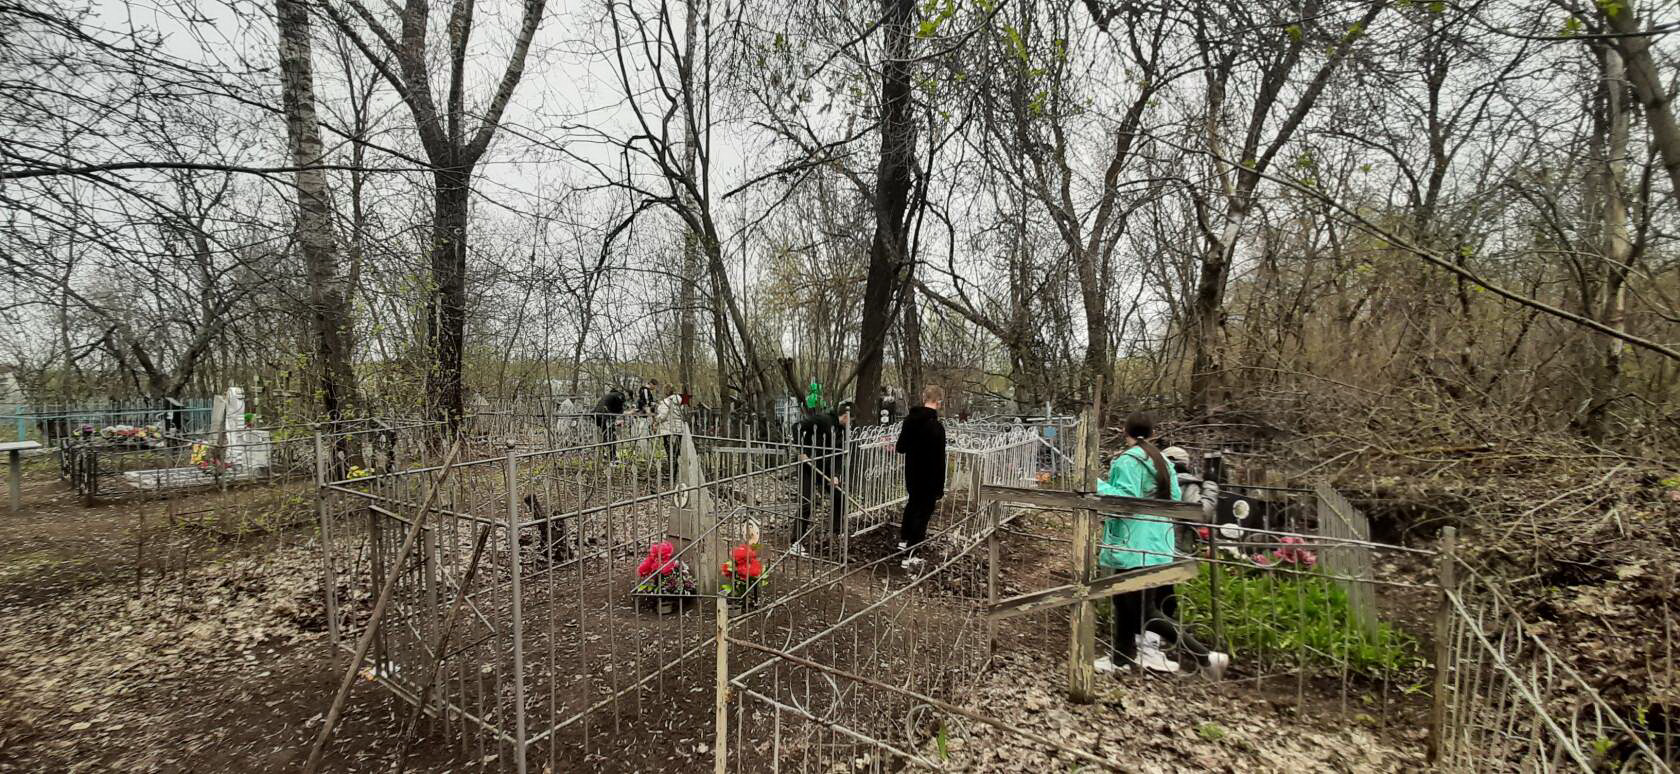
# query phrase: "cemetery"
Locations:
[[544, 609], [837, 387]]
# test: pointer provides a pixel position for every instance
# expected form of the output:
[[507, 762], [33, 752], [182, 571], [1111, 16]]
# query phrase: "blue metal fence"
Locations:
[[48, 423]]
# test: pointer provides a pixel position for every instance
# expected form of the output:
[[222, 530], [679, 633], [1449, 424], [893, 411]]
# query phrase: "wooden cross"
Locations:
[[1087, 588]]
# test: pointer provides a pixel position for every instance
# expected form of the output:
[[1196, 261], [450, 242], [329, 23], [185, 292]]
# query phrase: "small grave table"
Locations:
[[14, 462]]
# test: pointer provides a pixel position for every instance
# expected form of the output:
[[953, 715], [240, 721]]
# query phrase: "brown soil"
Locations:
[[202, 652]]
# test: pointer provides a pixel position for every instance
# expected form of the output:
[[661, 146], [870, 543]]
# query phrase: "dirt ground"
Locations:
[[203, 669], [190, 651], [1147, 724]]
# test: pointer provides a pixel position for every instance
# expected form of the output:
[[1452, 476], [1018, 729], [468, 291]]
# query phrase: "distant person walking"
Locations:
[[819, 435], [921, 439], [607, 414]]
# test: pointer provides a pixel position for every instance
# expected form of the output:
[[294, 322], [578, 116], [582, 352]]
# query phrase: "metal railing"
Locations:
[[1506, 701], [51, 423]]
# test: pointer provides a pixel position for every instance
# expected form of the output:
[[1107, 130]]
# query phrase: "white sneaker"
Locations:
[[1105, 665], [1217, 662], [911, 563], [1151, 639], [902, 545], [797, 550], [1154, 660]]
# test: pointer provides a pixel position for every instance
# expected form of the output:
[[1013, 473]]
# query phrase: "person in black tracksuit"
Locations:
[[818, 435], [607, 413], [922, 442]]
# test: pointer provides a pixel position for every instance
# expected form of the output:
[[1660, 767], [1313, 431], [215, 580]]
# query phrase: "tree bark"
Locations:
[[1647, 84], [912, 368], [329, 311], [1610, 301], [691, 252], [888, 266], [446, 317]]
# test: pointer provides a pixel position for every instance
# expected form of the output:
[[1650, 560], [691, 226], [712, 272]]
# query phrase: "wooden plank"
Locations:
[[993, 554], [1446, 575], [1082, 651], [720, 706], [1082, 639], [1073, 501], [1120, 583]]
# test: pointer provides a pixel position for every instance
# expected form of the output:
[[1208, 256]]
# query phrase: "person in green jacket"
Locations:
[[1131, 542]]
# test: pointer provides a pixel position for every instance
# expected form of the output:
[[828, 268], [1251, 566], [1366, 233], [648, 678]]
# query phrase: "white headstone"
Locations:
[[247, 449], [695, 516]]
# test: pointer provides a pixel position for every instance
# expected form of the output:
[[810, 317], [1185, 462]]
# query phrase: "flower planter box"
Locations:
[[745, 600]]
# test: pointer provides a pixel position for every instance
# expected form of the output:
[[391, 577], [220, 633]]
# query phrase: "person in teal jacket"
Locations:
[[1131, 542]]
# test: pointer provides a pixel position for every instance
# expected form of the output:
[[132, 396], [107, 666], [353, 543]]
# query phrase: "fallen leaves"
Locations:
[[1154, 725]]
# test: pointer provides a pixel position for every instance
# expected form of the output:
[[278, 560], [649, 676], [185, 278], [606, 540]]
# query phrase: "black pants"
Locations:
[[1135, 612], [918, 511], [673, 454], [609, 435], [814, 490], [1152, 610]]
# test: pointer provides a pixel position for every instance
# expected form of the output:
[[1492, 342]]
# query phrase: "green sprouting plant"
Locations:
[[1292, 618], [1210, 732]]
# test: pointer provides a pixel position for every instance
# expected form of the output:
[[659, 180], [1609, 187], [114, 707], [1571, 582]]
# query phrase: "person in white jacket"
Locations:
[[668, 423]]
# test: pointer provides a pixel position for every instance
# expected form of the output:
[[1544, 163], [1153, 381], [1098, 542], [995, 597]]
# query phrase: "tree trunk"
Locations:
[[1642, 73], [1618, 249], [887, 260], [691, 252], [912, 369], [721, 353], [757, 379], [447, 316], [1207, 383], [1094, 298], [329, 311]]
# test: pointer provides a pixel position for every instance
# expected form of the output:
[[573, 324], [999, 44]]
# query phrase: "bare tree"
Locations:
[[889, 267], [316, 238], [454, 138]]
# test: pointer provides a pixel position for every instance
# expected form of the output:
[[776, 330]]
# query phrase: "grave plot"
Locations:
[[256, 479], [529, 577], [551, 650]]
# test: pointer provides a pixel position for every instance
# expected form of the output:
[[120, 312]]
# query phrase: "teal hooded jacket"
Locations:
[[1151, 540]]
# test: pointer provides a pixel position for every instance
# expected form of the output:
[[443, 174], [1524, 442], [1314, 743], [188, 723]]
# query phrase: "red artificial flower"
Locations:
[[658, 560], [754, 569]]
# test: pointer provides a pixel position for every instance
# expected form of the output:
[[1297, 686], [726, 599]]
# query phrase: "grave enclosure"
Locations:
[[516, 636]]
